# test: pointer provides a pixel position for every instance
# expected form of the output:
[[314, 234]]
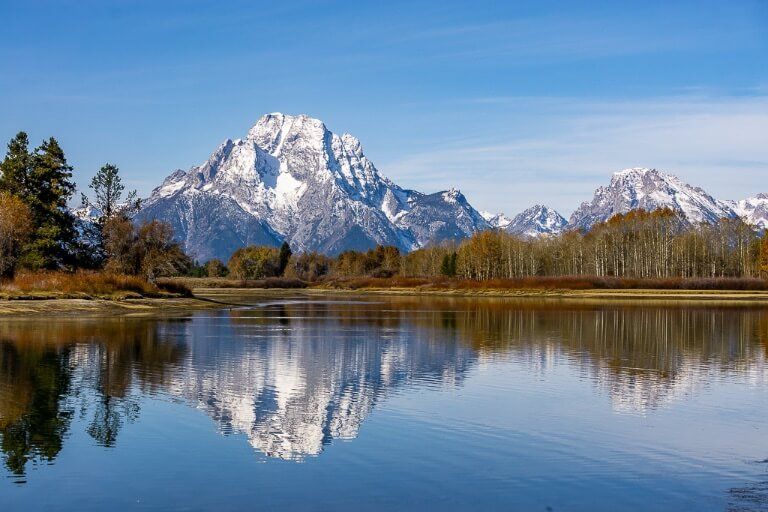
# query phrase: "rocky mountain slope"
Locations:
[[292, 179], [753, 210], [649, 189], [496, 220], [536, 221]]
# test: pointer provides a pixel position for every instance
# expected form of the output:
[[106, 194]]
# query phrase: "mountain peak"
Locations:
[[496, 220], [292, 179], [272, 130], [753, 210], [649, 189], [536, 221], [638, 171], [453, 195]]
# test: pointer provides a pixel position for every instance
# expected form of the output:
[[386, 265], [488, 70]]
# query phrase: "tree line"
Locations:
[[639, 244], [38, 231], [644, 245]]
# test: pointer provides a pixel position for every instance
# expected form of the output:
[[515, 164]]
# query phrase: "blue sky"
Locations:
[[512, 102]]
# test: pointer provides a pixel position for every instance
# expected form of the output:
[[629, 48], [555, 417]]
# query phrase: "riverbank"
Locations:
[[219, 293], [59, 293], [594, 295], [69, 306], [726, 289]]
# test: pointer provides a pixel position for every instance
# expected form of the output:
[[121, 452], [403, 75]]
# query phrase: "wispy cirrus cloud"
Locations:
[[570, 146]]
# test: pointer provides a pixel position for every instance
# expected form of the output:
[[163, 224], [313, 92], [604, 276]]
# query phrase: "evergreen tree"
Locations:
[[49, 188], [108, 190], [448, 265], [284, 257], [16, 168], [42, 180]]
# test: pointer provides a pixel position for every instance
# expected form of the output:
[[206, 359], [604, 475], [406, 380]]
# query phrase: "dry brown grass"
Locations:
[[224, 282], [84, 284], [551, 283], [439, 284]]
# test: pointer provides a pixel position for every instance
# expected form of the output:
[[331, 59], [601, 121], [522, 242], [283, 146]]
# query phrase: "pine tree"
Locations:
[[448, 265], [16, 168], [284, 257], [48, 189], [108, 190]]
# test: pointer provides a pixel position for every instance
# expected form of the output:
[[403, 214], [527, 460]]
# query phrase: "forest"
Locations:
[[40, 234]]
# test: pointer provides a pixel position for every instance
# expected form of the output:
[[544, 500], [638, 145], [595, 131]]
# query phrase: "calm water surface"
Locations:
[[388, 404]]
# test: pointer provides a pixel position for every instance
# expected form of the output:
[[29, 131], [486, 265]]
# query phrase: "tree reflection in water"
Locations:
[[50, 370], [295, 375]]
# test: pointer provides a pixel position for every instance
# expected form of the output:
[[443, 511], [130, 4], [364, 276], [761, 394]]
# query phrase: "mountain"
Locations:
[[536, 221], [496, 220], [753, 210], [649, 189], [292, 179]]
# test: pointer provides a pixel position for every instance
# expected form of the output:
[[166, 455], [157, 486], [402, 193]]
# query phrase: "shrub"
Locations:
[[308, 266], [215, 268], [254, 262], [89, 283], [15, 230], [148, 249]]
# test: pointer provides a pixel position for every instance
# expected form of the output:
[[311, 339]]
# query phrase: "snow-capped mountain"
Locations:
[[649, 189], [753, 210], [496, 220], [292, 179], [536, 221]]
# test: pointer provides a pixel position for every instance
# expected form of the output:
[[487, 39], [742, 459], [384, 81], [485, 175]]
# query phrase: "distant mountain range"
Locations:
[[291, 179], [633, 189]]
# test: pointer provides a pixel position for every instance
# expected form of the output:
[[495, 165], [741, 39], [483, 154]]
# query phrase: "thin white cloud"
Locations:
[[572, 146]]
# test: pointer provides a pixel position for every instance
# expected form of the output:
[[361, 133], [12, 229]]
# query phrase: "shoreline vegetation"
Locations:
[[576, 287], [57, 293], [88, 285], [540, 287]]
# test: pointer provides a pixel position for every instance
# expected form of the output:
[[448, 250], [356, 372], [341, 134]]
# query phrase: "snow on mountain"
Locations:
[[753, 210], [536, 221], [292, 179], [649, 189], [86, 213], [496, 220]]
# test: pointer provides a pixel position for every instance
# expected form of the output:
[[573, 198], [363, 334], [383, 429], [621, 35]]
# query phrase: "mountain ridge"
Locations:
[[292, 179], [648, 189]]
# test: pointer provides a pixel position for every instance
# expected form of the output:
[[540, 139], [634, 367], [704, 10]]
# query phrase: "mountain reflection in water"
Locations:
[[292, 376]]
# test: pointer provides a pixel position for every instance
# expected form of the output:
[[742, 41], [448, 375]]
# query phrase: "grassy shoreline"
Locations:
[[67, 306], [211, 293], [561, 288], [56, 293], [628, 294]]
